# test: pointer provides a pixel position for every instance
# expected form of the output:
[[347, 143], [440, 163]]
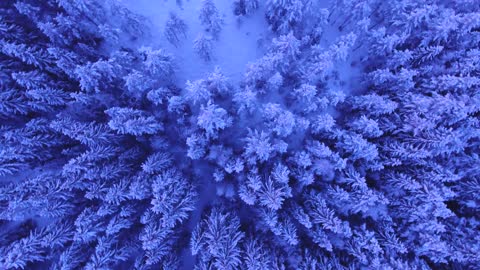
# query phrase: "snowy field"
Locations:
[[241, 40]]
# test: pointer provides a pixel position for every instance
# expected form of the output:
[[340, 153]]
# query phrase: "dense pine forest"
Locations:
[[240, 134]]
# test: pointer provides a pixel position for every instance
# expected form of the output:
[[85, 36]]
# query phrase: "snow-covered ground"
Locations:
[[240, 40]]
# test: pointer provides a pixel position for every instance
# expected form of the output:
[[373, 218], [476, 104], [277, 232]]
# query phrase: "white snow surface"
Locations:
[[240, 40]]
